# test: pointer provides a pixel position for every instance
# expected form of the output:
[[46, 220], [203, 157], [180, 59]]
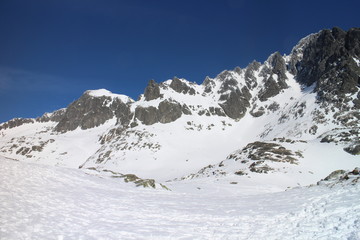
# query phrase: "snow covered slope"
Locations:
[[295, 116], [44, 202]]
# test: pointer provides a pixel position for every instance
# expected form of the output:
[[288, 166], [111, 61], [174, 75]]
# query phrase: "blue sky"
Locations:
[[51, 51]]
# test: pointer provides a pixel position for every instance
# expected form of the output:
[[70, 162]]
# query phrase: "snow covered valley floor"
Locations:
[[44, 202]]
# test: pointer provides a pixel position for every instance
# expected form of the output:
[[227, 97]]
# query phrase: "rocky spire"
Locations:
[[152, 91]]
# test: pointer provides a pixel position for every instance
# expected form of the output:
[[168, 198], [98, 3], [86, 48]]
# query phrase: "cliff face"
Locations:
[[330, 60], [91, 111]]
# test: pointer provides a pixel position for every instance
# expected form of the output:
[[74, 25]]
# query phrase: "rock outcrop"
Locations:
[[233, 101], [169, 111], [181, 87], [147, 115], [274, 77], [16, 122], [92, 111], [250, 79], [235, 104], [152, 91], [166, 112]]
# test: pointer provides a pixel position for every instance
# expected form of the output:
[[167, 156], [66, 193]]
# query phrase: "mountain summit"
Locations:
[[295, 116]]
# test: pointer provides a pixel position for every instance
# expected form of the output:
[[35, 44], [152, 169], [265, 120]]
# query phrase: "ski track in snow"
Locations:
[[44, 202]]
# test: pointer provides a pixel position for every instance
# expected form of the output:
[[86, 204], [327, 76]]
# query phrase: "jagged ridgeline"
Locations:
[[177, 127]]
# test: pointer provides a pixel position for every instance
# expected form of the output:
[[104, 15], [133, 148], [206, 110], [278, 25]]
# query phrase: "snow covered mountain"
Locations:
[[292, 119]]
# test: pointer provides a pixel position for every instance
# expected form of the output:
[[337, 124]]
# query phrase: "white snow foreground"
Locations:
[[44, 202]]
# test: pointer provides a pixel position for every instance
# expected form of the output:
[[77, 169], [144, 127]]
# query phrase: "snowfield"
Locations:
[[45, 202]]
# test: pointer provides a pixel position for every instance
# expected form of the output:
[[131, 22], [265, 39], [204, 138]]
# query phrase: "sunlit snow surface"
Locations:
[[44, 202], [106, 93]]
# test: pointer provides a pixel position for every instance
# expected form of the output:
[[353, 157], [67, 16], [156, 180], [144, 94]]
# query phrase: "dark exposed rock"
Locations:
[[186, 110], [353, 149], [327, 139], [299, 109], [16, 122], [224, 75], [328, 61], [334, 175], [352, 43], [131, 178], [146, 183], [103, 156], [258, 157], [23, 150], [349, 118], [147, 116], [273, 106], [240, 173], [217, 111], [250, 79], [341, 177], [166, 112], [209, 84], [26, 150], [346, 136], [278, 65], [356, 171], [316, 56], [313, 129], [246, 93], [205, 171], [169, 111], [235, 105], [258, 113], [89, 111], [112, 134], [204, 111], [235, 101], [260, 167], [181, 87], [152, 91], [297, 53], [238, 70], [37, 148], [55, 116], [134, 124], [122, 112], [269, 152], [228, 82], [273, 87]]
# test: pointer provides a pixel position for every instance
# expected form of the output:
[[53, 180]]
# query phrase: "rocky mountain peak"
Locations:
[[208, 84], [278, 65], [152, 91], [93, 109], [181, 86], [330, 60], [249, 76], [274, 77]]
